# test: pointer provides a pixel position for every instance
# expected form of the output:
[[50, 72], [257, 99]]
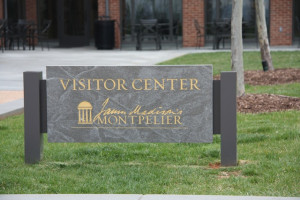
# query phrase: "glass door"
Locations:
[[73, 22], [167, 12]]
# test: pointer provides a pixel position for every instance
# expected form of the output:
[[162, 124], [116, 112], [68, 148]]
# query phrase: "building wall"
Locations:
[[281, 19], [114, 13], [191, 9]]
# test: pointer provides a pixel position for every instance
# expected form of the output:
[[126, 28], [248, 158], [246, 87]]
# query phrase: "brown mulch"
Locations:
[[278, 76], [259, 103]]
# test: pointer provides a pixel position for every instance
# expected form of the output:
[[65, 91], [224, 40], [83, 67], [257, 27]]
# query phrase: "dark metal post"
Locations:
[[33, 139], [216, 106], [228, 119]]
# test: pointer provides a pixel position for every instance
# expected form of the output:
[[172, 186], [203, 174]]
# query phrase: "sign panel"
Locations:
[[129, 104]]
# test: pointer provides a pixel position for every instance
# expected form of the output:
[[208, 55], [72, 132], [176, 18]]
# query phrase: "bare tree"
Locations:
[[263, 35], [237, 45]]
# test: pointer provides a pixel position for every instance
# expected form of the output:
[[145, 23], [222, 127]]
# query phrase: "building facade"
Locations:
[[72, 20]]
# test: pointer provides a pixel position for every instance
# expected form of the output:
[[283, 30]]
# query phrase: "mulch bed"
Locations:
[[259, 103], [278, 76]]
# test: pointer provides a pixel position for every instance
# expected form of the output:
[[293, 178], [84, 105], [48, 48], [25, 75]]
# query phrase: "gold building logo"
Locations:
[[85, 113]]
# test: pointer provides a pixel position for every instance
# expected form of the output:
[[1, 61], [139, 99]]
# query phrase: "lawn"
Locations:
[[268, 154], [221, 61]]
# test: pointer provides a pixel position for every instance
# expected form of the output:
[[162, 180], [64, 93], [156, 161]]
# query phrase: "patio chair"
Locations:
[[221, 31], [42, 34], [199, 33], [3, 24], [165, 32], [148, 30], [19, 33]]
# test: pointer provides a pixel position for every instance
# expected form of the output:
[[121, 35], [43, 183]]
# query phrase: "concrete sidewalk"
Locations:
[[135, 197]]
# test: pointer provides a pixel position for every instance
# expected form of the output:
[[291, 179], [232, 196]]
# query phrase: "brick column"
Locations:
[[191, 9], [1, 10], [281, 19], [101, 7], [31, 10], [31, 13], [114, 12]]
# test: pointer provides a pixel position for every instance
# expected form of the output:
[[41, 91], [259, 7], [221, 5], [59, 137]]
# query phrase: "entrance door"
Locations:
[[73, 22]]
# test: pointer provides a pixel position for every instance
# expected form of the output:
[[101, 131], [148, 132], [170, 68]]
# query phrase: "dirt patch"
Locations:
[[259, 103], [216, 165]]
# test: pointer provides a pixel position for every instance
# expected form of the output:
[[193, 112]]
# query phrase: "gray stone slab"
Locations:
[[71, 197], [129, 104], [11, 108]]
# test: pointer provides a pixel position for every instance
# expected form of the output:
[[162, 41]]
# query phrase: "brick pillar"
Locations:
[[1, 10], [281, 19], [31, 13], [101, 7], [114, 12], [191, 9], [31, 10]]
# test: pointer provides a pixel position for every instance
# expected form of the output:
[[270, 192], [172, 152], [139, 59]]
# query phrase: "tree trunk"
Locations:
[[263, 35], [237, 45]]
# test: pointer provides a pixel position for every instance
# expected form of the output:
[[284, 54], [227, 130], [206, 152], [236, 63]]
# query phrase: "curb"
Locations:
[[11, 108]]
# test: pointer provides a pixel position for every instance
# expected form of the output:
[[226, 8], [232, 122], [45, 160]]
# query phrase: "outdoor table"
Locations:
[[156, 33]]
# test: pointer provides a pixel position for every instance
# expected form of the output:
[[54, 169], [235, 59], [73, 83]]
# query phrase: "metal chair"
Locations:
[[199, 33], [221, 31], [165, 31], [42, 34], [3, 24], [19, 32], [148, 30]]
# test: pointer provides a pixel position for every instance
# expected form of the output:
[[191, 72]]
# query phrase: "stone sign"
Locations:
[[129, 104]]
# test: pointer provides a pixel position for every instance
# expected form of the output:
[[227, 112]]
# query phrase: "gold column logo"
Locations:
[[85, 113]]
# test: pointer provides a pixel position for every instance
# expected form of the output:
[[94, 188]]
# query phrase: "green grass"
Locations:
[[268, 151], [221, 61], [292, 89]]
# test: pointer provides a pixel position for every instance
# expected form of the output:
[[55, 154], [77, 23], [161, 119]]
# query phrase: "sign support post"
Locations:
[[228, 119], [33, 138]]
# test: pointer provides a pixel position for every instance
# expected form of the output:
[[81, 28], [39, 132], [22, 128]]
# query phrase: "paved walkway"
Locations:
[[136, 197]]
